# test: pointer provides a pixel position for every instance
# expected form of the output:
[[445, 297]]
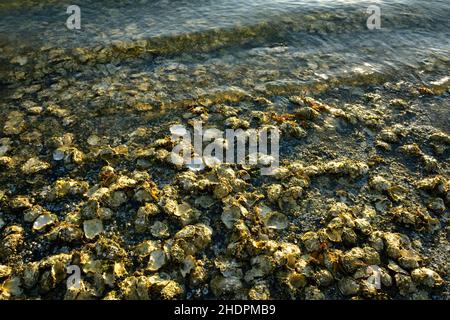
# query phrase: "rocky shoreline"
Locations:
[[356, 188]]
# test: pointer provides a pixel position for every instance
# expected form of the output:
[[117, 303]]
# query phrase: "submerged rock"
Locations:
[[92, 228], [34, 165]]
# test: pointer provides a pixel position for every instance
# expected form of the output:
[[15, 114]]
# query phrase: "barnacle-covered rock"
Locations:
[[227, 286], [395, 242], [116, 199], [6, 162], [232, 213], [311, 241], [157, 260], [324, 278], [313, 293], [379, 183], [71, 187], [437, 205], [191, 239], [274, 192], [10, 288], [15, 123], [236, 123], [34, 165], [92, 228], [135, 288], [44, 220], [160, 229], [260, 291], [143, 215], [5, 271], [346, 167], [417, 217], [405, 284], [410, 259], [349, 286], [198, 274], [186, 214], [21, 203], [147, 192], [222, 189], [13, 238], [359, 257], [426, 277], [188, 264], [155, 253]]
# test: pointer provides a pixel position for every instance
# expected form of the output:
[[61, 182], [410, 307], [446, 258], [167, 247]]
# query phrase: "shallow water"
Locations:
[[414, 33]]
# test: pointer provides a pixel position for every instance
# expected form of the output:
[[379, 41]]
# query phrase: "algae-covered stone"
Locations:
[[348, 286], [5, 271], [426, 277], [223, 286], [160, 229], [15, 123], [405, 284], [34, 165]]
